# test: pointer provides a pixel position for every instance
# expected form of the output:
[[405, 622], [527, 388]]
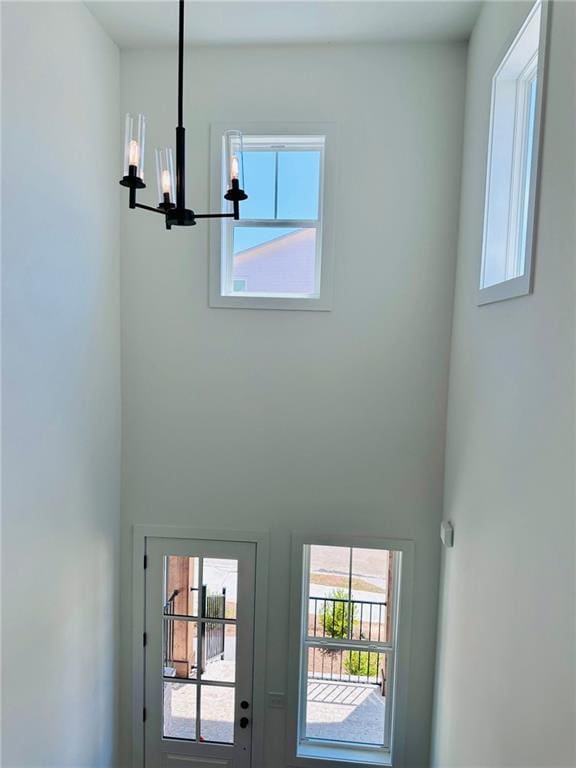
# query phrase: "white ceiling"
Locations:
[[135, 23]]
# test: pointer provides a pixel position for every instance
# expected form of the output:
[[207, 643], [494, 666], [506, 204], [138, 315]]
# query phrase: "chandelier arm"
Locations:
[[213, 215], [149, 208]]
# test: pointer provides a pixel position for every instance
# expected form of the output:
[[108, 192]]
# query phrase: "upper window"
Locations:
[[349, 653], [273, 257], [506, 269]]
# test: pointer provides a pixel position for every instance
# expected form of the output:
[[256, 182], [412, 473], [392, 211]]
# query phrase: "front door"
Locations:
[[199, 653]]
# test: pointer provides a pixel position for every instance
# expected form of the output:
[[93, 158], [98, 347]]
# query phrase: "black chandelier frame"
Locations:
[[176, 214]]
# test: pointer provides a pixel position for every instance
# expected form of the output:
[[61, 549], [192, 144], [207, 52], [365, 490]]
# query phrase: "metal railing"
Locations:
[[337, 618], [168, 629], [213, 635]]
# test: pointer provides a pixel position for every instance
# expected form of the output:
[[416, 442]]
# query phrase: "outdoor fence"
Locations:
[[213, 633], [338, 618]]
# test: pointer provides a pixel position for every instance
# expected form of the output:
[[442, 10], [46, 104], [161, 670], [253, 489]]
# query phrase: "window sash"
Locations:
[[227, 279], [389, 706], [283, 145]]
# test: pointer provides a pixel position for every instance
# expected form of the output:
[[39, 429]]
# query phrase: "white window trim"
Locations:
[[523, 284], [310, 752], [327, 196]]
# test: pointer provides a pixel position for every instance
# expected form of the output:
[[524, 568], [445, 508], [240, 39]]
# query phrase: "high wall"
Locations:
[[505, 681], [278, 420], [61, 387]]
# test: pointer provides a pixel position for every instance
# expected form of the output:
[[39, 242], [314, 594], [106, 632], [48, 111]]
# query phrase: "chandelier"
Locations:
[[171, 190]]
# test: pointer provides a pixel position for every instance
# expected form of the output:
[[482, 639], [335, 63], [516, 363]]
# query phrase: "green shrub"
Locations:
[[337, 618], [361, 663]]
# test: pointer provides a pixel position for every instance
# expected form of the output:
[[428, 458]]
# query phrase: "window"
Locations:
[[275, 256], [349, 654], [506, 269]]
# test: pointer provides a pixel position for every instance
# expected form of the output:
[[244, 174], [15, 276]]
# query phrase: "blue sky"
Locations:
[[292, 195]]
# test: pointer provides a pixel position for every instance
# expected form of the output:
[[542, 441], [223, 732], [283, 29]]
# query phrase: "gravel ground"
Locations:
[[337, 711], [345, 712]]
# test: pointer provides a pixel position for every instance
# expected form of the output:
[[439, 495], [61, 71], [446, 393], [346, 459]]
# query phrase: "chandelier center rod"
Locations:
[[180, 140], [181, 65]]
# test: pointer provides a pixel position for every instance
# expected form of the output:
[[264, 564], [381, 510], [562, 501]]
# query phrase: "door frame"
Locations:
[[140, 535]]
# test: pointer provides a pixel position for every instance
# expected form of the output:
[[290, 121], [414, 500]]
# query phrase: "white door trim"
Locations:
[[140, 533]]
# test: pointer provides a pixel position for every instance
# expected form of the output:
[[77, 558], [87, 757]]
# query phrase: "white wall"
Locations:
[[505, 685], [301, 420], [61, 387]]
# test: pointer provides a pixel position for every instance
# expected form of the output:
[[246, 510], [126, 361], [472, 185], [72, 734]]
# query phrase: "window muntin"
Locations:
[[512, 166], [274, 250], [348, 648]]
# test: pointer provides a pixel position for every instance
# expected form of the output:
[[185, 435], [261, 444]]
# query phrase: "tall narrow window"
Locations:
[[349, 637], [512, 165]]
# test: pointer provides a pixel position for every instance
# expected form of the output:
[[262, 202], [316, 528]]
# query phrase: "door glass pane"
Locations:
[[179, 643], [219, 651], [298, 185], [220, 579], [179, 711], [344, 699], [217, 714], [181, 585], [274, 260]]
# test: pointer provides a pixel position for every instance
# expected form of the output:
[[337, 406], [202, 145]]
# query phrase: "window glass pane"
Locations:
[[179, 711], [217, 714], [179, 642], [260, 183], [298, 184], [371, 580], [219, 651], [329, 569], [181, 586], [273, 260], [345, 707], [531, 120], [220, 577]]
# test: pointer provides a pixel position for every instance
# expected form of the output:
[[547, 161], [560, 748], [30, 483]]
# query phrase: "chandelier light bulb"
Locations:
[[134, 153], [134, 138], [165, 177], [234, 168], [166, 183]]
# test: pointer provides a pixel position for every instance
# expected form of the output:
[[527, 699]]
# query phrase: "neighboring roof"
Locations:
[[286, 264]]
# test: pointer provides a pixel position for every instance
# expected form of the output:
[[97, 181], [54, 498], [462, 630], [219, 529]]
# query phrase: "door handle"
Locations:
[[244, 722]]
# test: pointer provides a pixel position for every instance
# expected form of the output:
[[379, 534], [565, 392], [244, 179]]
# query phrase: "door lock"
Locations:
[[244, 722]]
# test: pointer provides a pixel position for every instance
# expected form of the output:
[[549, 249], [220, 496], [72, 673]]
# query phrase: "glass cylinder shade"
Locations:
[[134, 140], [234, 157], [165, 175]]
